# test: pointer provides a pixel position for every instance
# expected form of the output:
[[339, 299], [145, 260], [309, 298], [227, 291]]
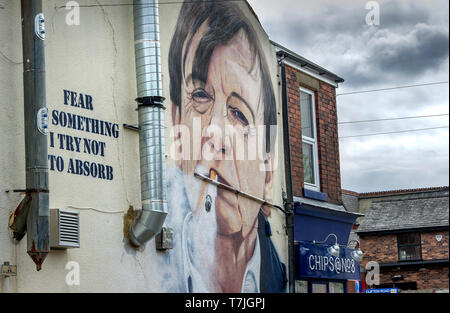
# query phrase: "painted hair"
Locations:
[[225, 20]]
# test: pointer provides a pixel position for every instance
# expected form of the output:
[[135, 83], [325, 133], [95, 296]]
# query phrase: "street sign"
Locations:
[[382, 290]]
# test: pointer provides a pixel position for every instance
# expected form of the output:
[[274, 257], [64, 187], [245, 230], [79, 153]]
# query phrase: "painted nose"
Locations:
[[217, 138]]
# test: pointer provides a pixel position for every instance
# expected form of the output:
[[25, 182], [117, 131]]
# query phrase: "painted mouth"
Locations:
[[228, 197], [214, 175]]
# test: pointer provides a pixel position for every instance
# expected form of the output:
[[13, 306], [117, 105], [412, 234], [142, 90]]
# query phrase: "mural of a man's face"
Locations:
[[231, 96]]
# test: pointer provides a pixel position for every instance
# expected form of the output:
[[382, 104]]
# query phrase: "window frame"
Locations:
[[409, 245], [312, 141], [326, 282]]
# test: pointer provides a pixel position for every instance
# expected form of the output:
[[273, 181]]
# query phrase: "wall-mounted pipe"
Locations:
[[36, 128], [289, 200], [151, 122]]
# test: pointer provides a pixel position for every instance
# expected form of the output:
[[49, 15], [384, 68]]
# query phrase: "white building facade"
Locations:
[[93, 159]]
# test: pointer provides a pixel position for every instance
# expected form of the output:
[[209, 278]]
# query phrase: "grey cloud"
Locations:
[[410, 46], [424, 48], [396, 14], [333, 19], [394, 167], [364, 181], [408, 41], [392, 56]]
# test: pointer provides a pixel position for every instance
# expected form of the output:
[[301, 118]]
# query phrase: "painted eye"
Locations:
[[201, 96], [239, 116]]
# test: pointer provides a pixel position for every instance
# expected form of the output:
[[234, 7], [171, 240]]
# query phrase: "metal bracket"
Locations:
[[42, 120], [164, 239], [9, 270], [152, 101], [39, 26], [281, 59], [29, 190], [131, 127]]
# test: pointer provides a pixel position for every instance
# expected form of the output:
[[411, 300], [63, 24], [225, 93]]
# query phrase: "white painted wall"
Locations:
[[95, 58]]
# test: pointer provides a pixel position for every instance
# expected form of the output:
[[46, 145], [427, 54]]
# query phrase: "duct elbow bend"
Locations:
[[148, 224]]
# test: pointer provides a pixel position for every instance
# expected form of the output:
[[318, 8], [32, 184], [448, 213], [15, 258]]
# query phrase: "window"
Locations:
[[409, 246], [309, 140], [336, 287], [301, 286], [319, 287]]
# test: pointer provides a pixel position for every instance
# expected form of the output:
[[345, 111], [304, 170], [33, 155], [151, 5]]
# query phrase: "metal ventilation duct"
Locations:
[[151, 122], [35, 206]]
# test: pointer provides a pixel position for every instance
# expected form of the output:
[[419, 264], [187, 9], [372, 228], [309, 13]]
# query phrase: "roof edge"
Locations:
[[400, 230], [305, 62], [415, 196], [394, 191]]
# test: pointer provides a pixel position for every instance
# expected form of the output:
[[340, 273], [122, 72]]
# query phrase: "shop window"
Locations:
[[317, 287], [336, 287], [309, 140], [320, 286], [409, 246], [301, 286]]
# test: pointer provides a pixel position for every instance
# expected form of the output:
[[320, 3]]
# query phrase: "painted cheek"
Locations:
[[249, 214], [252, 177], [229, 220]]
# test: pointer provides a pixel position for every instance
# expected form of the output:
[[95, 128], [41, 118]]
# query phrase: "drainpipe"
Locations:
[[289, 199], [36, 129], [151, 123]]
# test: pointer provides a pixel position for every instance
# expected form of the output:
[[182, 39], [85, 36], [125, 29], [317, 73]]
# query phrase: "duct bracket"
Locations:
[[8, 270], [152, 101], [164, 239]]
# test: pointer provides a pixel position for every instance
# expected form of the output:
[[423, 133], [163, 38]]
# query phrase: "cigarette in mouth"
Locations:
[[212, 176]]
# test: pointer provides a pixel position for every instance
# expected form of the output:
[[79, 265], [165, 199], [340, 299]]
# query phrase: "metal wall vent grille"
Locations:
[[64, 229]]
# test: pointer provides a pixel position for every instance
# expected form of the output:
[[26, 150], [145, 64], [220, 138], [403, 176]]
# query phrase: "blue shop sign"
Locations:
[[316, 262], [382, 290]]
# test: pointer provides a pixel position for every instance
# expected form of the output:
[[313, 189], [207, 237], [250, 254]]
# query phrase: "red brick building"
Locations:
[[407, 233], [316, 87], [310, 99]]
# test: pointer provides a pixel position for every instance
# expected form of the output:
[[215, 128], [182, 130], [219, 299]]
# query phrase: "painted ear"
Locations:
[[268, 186]]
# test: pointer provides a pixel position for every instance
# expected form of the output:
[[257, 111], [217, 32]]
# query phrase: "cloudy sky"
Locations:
[[408, 47]]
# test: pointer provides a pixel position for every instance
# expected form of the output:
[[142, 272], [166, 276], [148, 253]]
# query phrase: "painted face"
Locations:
[[230, 98]]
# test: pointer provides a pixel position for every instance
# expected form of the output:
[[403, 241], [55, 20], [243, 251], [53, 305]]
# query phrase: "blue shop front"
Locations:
[[324, 262]]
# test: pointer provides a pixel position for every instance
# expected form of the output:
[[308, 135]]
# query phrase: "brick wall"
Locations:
[[330, 174], [326, 122], [433, 249], [427, 277], [295, 130], [351, 286], [383, 249]]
